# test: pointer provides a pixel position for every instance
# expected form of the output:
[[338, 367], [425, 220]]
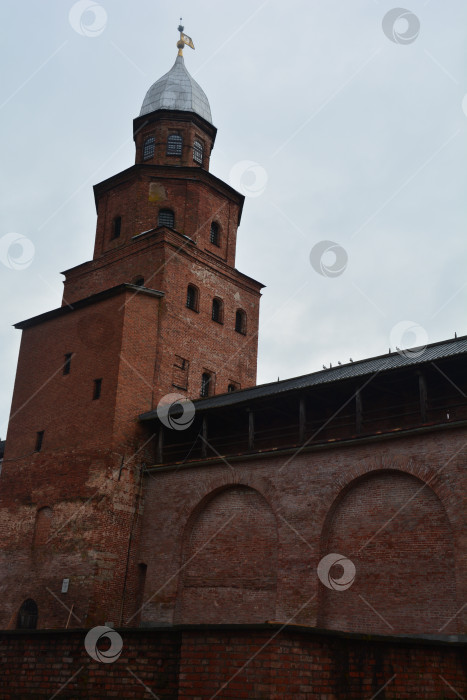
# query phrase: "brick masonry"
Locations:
[[84, 486], [251, 662], [262, 524], [219, 541]]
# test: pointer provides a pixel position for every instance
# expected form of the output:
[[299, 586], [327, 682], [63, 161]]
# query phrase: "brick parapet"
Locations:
[[244, 661]]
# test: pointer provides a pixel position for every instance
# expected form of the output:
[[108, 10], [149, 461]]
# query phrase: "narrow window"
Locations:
[[198, 152], [67, 363], [240, 321], [217, 310], [117, 227], [192, 297], [215, 233], [205, 384], [174, 145], [39, 440], [149, 148], [97, 389], [166, 218], [231, 388], [27, 616]]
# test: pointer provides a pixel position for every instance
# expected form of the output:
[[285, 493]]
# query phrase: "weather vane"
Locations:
[[184, 40]]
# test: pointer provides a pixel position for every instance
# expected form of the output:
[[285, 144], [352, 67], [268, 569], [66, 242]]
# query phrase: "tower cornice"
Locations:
[[172, 172], [174, 115]]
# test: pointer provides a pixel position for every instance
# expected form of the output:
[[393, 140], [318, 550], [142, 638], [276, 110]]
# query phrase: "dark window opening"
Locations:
[[117, 227], [231, 387], [215, 233], [149, 148], [240, 321], [67, 363], [205, 384], [97, 389], [139, 282], [174, 145], [198, 152], [39, 440], [166, 218], [217, 310], [192, 297], [27, 615]]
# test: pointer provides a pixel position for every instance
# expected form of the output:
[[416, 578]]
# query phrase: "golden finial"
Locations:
[[184, 40]]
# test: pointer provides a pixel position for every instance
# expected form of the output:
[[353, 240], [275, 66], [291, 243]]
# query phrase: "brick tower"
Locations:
[[160, 309]]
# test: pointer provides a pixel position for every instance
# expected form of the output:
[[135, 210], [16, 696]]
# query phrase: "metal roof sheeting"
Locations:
[[179, 91], [382, 363]]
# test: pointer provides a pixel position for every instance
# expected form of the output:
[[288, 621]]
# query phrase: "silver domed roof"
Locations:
[[177, 90]]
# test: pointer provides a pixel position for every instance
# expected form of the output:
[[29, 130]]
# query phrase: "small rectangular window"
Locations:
[[198, 152], [207, 388], [166, 218], [97, 389], [39, 440], [67, 363], [174, 145], [192, 298], [149, 148], [117, 227]]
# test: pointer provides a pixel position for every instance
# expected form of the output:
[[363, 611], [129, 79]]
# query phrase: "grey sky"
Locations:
[[362, 141]]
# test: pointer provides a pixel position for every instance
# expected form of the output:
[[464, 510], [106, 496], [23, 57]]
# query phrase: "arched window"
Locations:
[[205, 384], [174, 145], [138, 281], [215, 238], [192, 297], [198, 150], [42, 527], [149, 148], [27, 616], [240, 321], [116, 227], [217, 310], [166, 218]]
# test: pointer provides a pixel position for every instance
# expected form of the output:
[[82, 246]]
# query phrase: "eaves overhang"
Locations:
[[87, 301]]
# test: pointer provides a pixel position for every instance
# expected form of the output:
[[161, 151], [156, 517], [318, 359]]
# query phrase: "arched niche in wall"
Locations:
[[230, 560], [42, 526], [394, 529]]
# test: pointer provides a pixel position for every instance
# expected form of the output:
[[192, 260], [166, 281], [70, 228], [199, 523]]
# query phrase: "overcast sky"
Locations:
[[338, 126]]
